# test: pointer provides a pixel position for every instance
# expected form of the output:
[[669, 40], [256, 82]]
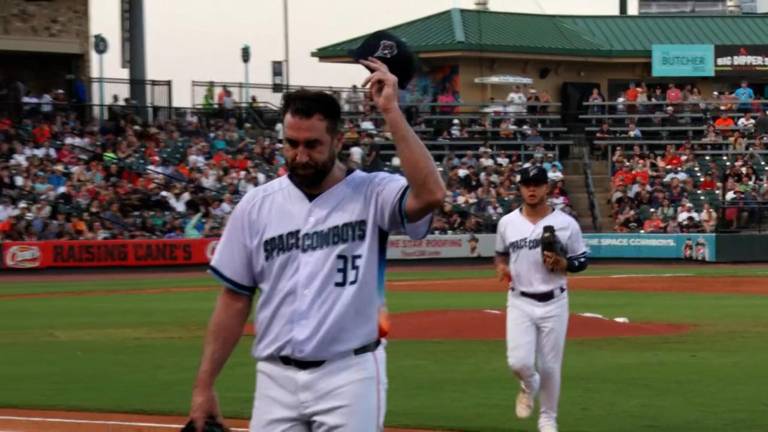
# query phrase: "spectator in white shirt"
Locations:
[[687, 211], [516, 101], [177, 199], [676, 173], [554, 174], [502, 159], [747, 124], [227, 205], [486, 160], [195, 160]]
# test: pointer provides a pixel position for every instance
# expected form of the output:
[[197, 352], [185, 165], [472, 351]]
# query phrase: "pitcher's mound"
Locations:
[[490, 324]]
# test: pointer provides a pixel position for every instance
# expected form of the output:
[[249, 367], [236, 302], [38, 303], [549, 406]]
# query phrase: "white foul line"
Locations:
[[101, 422], [636, 276]]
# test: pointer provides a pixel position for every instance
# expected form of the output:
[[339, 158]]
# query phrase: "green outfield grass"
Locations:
[[139, 353]]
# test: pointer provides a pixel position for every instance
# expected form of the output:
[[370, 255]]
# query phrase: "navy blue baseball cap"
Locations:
[[534, 176], [390, 50]]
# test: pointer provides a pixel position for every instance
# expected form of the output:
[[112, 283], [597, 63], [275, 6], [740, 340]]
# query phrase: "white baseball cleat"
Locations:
[[548, 428], [524, 403]]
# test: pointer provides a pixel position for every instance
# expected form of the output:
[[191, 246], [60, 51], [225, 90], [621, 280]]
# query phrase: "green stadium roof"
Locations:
[[566, 35]]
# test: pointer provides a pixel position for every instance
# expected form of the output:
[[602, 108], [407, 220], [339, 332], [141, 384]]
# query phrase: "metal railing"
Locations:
[[593, 206]]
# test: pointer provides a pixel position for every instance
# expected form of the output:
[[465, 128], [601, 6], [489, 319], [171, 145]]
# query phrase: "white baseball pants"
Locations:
[[344, 395], [535, 344]]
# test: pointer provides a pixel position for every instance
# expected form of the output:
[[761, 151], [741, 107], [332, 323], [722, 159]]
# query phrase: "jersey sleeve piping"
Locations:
[[401, 205], [232, 284]]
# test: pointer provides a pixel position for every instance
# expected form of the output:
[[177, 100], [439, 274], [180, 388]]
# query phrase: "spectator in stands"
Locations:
[[745, 95], [469, 159], [353, 102], [533, 137], [544, 99], [708, 183], [532, 101], [596, 97], [712, 135], [658, 97], [674, 96], [502, 160], [516, 101], [724, 124], [554, 174], [761, 124], [695, 101], [486, 160], [630, 97], [633, 131], [708, 218], [642, 97], [653, 224], [623, 177], [686, 213], [746, 124], [738, 143]]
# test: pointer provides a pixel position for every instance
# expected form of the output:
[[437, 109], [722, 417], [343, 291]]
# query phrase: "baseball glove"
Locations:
[[551, 243], [211, 425]]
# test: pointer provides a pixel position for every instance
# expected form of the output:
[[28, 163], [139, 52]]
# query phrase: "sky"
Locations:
[[188, 40]]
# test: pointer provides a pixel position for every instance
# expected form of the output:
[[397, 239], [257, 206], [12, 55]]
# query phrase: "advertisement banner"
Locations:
[[694, 247], [683, 60], [106, 253], [442, 246], [741, 60]]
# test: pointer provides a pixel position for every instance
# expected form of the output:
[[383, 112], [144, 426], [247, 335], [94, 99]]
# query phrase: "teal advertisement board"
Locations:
[[683, 60], [694, 247]]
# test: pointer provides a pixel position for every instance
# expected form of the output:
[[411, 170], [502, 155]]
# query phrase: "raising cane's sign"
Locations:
[[107, 253]]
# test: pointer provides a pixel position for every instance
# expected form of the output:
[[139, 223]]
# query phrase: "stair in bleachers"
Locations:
[[577, 192]]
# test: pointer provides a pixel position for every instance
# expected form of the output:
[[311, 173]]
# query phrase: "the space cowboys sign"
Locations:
[[741, 60]]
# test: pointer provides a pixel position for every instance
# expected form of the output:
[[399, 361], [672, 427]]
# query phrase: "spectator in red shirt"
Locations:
[[624, 177], [708, 184], [630, 96], [641, 172], [671, 159], [42, 133], [724, 123], [674, 95], [653, 224], [67, 156]]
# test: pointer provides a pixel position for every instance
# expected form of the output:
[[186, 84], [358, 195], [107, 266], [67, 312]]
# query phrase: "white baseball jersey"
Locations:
[[521, 239], [318, 265]]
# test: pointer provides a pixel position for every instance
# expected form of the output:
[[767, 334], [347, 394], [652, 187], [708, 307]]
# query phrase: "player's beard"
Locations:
[[311, 174]]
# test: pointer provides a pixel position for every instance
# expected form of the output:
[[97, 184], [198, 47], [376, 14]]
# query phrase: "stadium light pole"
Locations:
[[245, 55], [100, 45], [285, 42]]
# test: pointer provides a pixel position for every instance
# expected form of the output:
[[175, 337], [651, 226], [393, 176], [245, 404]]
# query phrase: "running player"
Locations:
[[537, 302]]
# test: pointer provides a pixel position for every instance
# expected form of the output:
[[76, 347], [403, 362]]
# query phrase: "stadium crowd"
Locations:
[[680, 188], [63, 178]]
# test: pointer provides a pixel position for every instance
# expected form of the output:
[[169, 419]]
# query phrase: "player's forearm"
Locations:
[[426, 186], [224, 331]]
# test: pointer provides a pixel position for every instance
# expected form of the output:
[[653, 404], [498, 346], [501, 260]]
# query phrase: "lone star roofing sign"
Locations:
[[683, 60], [741, 60]]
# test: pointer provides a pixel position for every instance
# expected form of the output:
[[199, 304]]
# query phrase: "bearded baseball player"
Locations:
[[535, 246], [312, 244]]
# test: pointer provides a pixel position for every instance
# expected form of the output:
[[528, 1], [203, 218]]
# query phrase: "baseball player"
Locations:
[[313, 245], [537, 301]]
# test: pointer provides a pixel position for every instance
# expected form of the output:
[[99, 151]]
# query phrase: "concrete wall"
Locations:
[[55, 26]]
